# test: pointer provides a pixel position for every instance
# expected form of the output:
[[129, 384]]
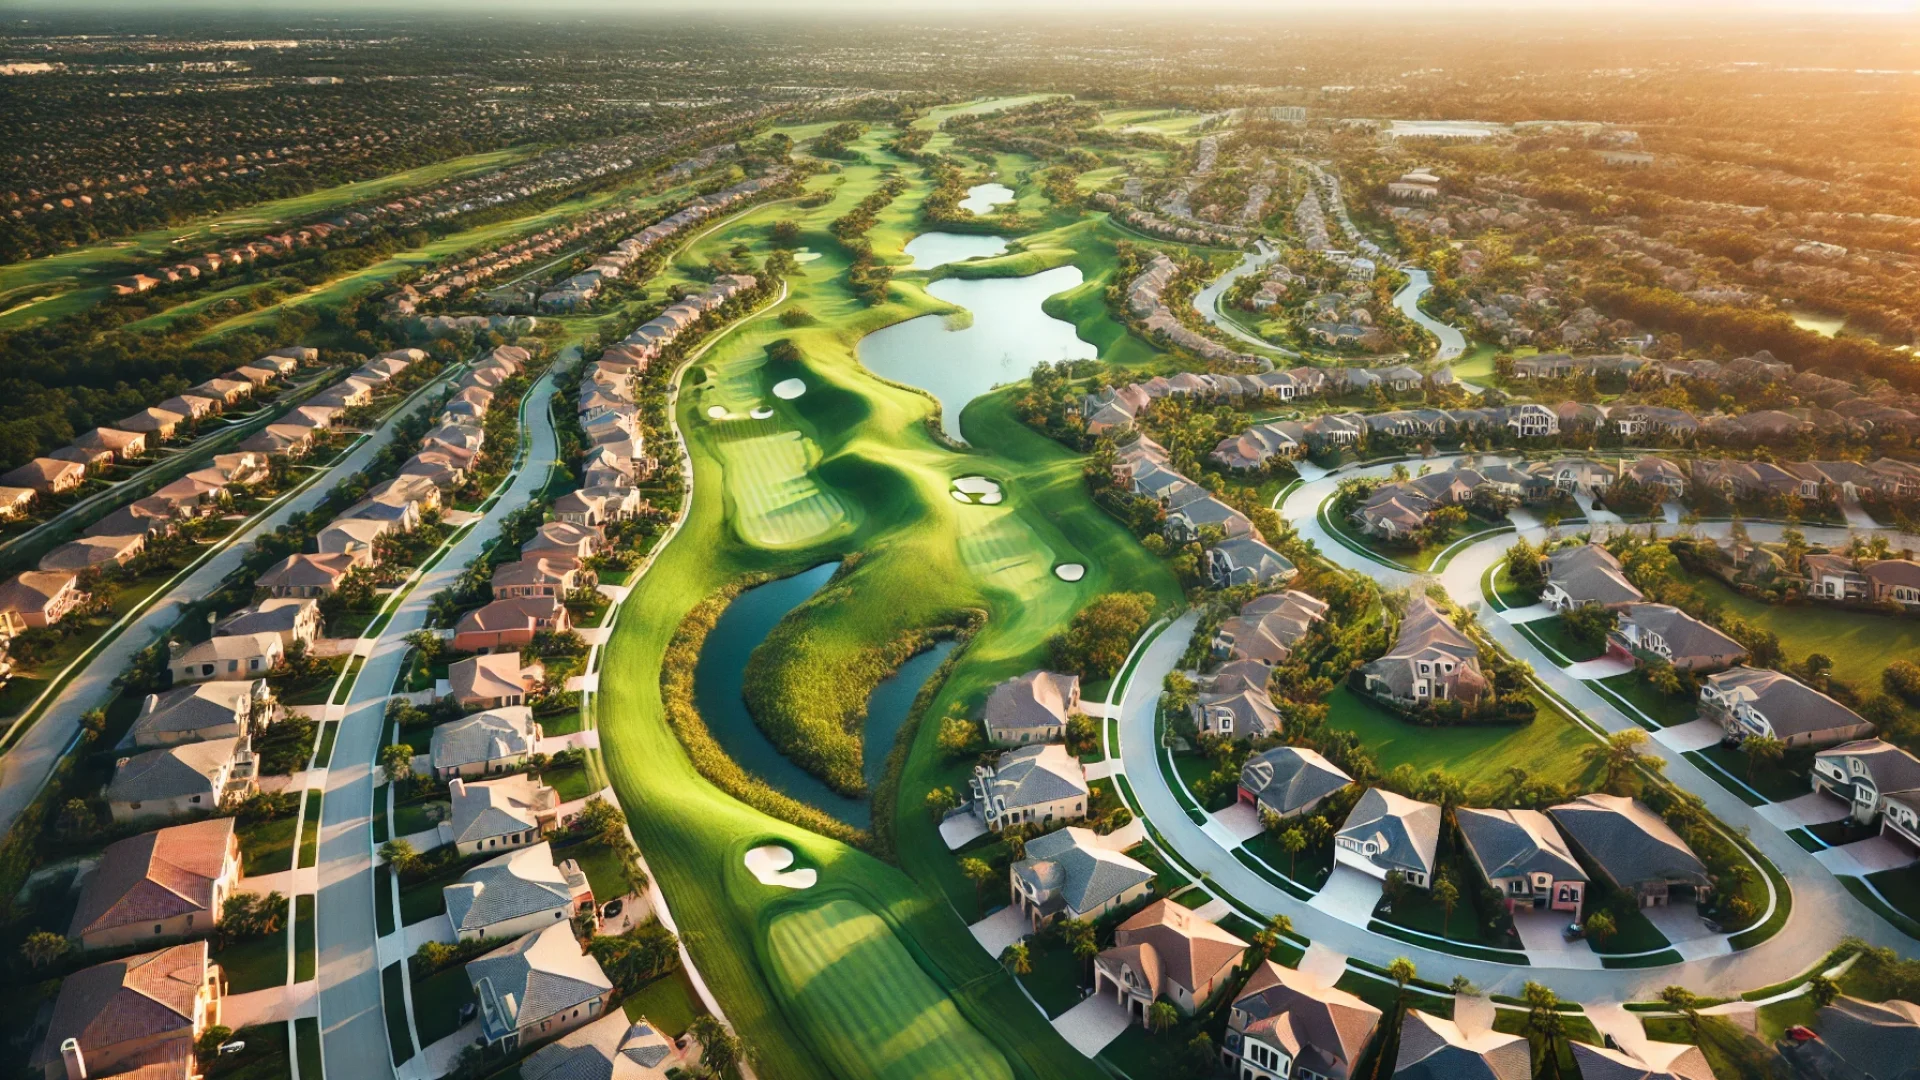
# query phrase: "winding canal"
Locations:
[[1419, 284]]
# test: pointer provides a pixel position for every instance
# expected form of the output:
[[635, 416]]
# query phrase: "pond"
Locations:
[[939, 248], [1009, 334], [984, 197], [720, 675]]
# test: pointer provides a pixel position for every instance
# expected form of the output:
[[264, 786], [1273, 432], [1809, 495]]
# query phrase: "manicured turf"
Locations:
[[306, 1033], [1549, 748], [310, 829], [1861, 644], [393, 996], [383, 899], [255, 964], [1665, 710], [304, 957], [668, 1003], [1554, 632], [437, 1000], [266, 847], [852, 983], [878, 459]]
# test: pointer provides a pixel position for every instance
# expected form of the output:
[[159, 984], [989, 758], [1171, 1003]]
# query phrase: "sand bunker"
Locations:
[[764, 412], [976, 489], [717, 412], [1070, 571], [788, 389], [769, 863], [805, 256]]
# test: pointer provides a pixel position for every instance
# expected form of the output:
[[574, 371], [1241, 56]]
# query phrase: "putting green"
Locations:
[[769, 474], [864, 1001]]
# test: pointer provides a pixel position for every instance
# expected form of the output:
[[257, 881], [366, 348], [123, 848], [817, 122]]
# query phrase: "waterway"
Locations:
[[984, 197], [1207, 300], [1008, 336], [719, 678], [1419, 283], [933, 249]]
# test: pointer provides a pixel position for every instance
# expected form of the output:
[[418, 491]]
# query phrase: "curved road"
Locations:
[[1207, 301], [352, 1023], [25, 767], [1823, 911], [1419, 284]]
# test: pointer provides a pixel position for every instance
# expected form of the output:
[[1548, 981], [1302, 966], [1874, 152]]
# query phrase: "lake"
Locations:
[[984, 197], [720, 676], [939, 248], [1008, 336]]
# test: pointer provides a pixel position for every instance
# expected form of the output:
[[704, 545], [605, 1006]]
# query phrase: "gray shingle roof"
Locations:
[[187, 769], [1433, 1048], [1404, 831], [1880, 1039], [1511, 843], [1590, 574], [1628, 842], [1286, 778], [540, 975], [610, 1048], [1036, 775], [1791, 707], [1073, 862], [518, 883], [484, 736], [496, 808], [1038, 699]]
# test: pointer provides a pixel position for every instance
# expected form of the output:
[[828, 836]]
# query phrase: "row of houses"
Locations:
[[1115, 407], [1241, 557], [211, 263], [646, 342], [578, 291], [1160, 228], [530, 593]]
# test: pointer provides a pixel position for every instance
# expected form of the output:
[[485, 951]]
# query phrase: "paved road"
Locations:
[[1419, 283], [1823, 911], [1207, 301], [25, 768], [352, 1022]]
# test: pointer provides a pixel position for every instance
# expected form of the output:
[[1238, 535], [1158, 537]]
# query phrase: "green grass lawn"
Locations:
[[255, 964], [304, 956], [1665, 710], [306, 1033], [1730, 1051], [1554, 632], [1633, 934], [423, 899], [383, 899], [570, 783], [919, 970], [324, 755], [1167, 878], [437, 1000], [414, 817], [601, 866], [1573, 1028], [1549, 748], [1311, 868], [393, 995], [266, 847], [1901, 887], [1860, 643], [1056, 979], [1777, 781], [565, 723], [314, 689], [310, 828], [668, 1003], [265, 1058]]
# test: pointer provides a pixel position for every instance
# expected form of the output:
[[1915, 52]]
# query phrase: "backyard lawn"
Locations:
[[266, 847], [1554, 633], [1549, 748], [668, 1003], [437, 1000], [570, 783], [1861, 644], [255, 964], [602, 867], [420, 815]]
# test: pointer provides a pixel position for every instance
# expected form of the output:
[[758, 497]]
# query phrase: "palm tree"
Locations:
[[721, 1051], [1085, 945], [1016, 958], [1823, 990], [1544, 1021], [1621, 754], [43, 947], [1162, 1015], [1295, 842], [978, 872], [1402, 972], [1448, 894], [1682, 1000], [1600, 927], [1762, 748]]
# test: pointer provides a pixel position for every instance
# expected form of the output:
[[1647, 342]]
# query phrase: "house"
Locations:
[[1674, 636], [354, 536], [1236, 704], [122, 1016], [535, 577], [1070, 873], [495, 741], [184, 778], [149, 516], [314, 415], [1758, 701], [307, 575], [196, 494], [494, 681], [1894, 581], [509, 624], [1879, 1039], [203, 711], [225, 391], [158, 425], [563, 540], [295, 620], [48, 476], [35, 598], [90, 460], [1430, 661], [1435, 1048], [245, 656], [1166, 951], [1586, 575], [1877, 780], [91, 551], [1184, 522], [515, 894], [610, 1048], [1032, 708], [1834, 577], [1631, 846], [192, 406], [540, 985], [1242, 560], [1031, 785], [1289, 781], [123, 445], [172, 882], [1267, 627], [1388, 832], [15, 502], [1650, 1061], [1658, 473], [1520, 854], [1393, 513], [1287, 1024], [280, 440], [490, 815]]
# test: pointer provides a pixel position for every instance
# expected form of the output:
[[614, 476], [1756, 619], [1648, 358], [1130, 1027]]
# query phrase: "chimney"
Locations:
[[76, 1063], [457, 788]]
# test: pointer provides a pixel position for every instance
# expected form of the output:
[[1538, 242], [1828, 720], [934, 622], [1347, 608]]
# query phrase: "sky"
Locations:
[[934, 9]]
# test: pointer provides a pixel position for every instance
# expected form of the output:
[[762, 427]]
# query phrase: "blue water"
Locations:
[[931, 249], [720, 677]]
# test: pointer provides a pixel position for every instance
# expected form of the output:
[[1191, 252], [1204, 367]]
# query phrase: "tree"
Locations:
[[1402, 972], [1544, 1020], [1600, 927], [400, 854], [43, 947], [602, 820], [940, 800], [1448, 894], [1083, 734], [397, 760], [1682, 1000], [1524, 569], [958, 736], [1162, 1015], [1762, 748], [208, 1045], [93, 723], [1097, 641], [1017, 958], [721, 1051], [1623, 752], [1823, 990], [1902, 679], [1079, 935], [1648, 566], [979, 872], [1589, 623], [1294, 841]]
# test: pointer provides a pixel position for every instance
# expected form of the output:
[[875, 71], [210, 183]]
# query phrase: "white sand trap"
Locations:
[[977, 489], [1070, 571], [763, 412], [717, 412], [769, 863], [805, 256], [788, 389]]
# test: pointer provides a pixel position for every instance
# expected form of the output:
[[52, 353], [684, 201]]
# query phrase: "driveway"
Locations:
[[1092, 1024], [1696, 735], [1542, 935], [1240, 821], [1604, 667], [1813, 808], [1349, 896], [1863, 857], [1530, 613], [1001, 929], [962, 829]]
